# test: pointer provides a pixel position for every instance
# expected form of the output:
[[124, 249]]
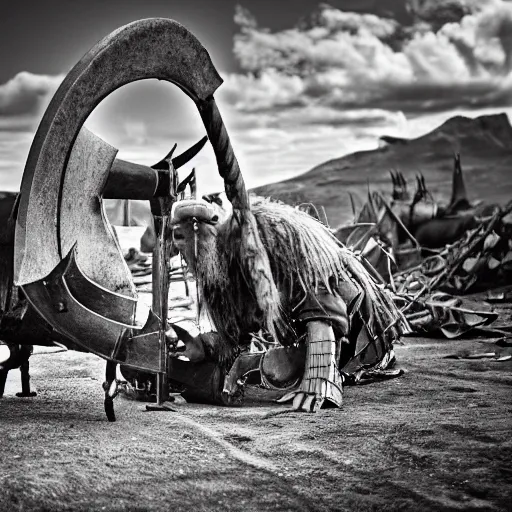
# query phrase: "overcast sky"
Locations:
[[303, 82]]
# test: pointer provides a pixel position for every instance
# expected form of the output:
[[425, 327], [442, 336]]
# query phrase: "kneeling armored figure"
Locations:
[[275, 269]]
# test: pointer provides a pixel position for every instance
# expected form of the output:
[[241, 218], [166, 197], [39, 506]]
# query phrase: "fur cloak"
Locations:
[[243, 290]]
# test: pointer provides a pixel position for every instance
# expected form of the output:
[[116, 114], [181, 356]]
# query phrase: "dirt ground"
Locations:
[[438, 438]]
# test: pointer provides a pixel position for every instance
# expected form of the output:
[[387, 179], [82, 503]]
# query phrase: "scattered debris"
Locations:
[[493, 356], [427, 280], [498, 297]]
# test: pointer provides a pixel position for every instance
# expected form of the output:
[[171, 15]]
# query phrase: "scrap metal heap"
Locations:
[[466, 249]]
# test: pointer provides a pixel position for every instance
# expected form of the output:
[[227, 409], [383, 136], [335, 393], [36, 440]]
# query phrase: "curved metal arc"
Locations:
[[106, 337], [156, 48], [96, 298]]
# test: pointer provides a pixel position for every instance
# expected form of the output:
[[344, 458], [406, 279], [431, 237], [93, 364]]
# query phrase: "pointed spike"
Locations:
[[459, 193], [352, 204], [190, 153], [193, 184], [164, 163], [183, 185], [402, 181]]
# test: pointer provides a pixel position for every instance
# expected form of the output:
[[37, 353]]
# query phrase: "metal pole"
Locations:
[[161, 256], [127, 212], [161, 210]]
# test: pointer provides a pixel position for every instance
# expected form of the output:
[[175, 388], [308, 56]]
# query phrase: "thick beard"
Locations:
[[215, 288]]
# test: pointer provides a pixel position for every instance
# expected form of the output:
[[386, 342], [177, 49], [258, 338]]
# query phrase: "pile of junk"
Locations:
[[442, 262]]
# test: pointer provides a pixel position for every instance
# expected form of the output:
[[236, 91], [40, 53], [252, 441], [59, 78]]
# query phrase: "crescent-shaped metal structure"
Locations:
[[151, 48], [66, 257]]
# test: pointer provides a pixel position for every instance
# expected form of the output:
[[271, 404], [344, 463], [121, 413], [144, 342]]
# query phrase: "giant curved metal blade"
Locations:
[[59, 300], [82, 221], [65, 175], [152, 48]]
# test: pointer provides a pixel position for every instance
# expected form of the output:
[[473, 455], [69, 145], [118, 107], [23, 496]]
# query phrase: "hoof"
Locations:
[[26, 395]]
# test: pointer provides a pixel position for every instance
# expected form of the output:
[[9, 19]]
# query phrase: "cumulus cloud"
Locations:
[[345, 60], [23, 100], [14, 147], [329, 86], [26, 94]]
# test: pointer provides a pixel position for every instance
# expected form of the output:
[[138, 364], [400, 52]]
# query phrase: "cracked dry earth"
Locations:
[[438, 438]]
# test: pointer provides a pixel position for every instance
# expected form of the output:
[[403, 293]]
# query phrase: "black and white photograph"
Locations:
[[255, 255]]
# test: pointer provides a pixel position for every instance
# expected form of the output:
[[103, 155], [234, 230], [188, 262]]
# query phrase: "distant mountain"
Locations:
[[485, 145]]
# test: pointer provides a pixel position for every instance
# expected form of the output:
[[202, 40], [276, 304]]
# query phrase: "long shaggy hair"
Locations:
[[258, 266]]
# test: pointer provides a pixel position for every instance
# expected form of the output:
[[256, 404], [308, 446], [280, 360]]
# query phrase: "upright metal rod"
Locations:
[[161, 255], [161, 209], [126, 212]]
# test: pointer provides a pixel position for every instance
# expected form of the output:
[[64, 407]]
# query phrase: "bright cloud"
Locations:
[[349, 60], [26, 94], [329, 86], [23, 100]]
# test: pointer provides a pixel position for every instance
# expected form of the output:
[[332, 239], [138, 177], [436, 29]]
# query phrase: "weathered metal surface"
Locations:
[[141, 351], [82, 220], [127, 180], [98, 299], [8, 203], [53, 300], [161, 210], [152, 48]]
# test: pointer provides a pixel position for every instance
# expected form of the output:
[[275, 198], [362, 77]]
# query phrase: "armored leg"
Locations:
[[234, 383], [322, 383]]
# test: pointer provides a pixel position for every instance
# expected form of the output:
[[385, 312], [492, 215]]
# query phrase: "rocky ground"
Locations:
[[438, 438]]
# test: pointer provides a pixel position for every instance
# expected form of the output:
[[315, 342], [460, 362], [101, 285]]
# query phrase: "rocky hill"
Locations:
[[485, 145]]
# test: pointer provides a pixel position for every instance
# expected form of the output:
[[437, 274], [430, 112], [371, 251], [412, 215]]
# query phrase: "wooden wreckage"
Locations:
[[53, 289]]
